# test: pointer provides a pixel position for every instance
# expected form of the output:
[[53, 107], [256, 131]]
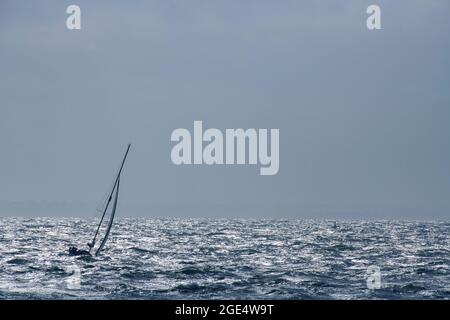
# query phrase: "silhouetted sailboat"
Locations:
[[104, 227]]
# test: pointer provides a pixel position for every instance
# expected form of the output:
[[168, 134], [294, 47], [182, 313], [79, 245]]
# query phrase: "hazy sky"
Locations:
[[363, 115]]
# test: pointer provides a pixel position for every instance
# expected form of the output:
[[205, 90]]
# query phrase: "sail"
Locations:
[[111, 219], [104, 227]]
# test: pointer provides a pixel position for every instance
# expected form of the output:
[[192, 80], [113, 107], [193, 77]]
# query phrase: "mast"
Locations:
[[116, 182]]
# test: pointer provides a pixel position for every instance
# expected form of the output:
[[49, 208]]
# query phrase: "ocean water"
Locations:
[[226, 259]]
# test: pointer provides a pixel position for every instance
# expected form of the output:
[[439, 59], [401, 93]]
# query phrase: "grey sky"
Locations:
[[363, 115]]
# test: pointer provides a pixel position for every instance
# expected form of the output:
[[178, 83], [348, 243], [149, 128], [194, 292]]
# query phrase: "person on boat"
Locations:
[[73, 251]]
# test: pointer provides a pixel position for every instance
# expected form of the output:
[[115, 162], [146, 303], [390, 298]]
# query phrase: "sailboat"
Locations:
[[104, 227]]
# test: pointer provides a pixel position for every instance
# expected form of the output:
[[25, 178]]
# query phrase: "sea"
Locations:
[[181, 258]]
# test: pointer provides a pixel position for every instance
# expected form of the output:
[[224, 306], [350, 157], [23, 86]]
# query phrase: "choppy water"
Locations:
[[224, 258]]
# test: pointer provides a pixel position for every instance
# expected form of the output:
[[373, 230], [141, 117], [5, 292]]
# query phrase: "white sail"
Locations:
[[102, 228], [111, 219]]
